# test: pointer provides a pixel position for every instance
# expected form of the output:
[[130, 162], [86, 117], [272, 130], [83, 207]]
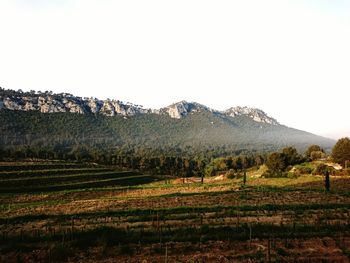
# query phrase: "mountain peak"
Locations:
[[256, 114], [183, 108]]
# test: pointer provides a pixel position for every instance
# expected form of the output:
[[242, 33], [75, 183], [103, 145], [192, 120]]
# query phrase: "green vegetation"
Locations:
[[97, 138], [341, 151], [314, 152], [323, 169], [152, 187], [278, 163], [304, 168]]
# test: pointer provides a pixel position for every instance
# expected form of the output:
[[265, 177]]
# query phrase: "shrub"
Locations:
[[304, 169], [313, 148], [341, 151], [279, 162], [276, 162], [295, 174], [274, 174], [230, 174], [316, 155], [322, 169]]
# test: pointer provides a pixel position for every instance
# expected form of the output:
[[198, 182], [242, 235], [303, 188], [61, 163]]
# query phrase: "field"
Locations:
[[58, 212]]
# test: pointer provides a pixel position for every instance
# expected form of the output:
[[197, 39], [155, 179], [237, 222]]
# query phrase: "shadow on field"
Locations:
[[119, 181], [336, 184]]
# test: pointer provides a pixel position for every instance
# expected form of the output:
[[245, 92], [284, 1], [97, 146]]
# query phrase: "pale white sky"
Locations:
[[289, 58]]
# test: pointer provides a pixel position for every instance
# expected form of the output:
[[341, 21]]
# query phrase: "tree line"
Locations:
[[278, 163], [183, 166], [199, 165]]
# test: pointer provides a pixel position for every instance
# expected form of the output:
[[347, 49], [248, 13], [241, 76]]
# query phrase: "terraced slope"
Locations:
[[29, 178], [268, 220]]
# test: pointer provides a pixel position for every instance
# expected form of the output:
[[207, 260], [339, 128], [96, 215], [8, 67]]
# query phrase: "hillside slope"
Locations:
[[200, 132], [62, 123]]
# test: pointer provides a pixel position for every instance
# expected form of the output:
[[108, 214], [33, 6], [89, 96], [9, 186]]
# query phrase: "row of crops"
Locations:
[[24, 178], [182, 225], [264, 223]]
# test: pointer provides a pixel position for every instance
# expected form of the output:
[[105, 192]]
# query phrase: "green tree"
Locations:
[[316, 155], [219, 164], [229, 163], [237, 163], [313, 148], [341, 151], [276, 162], [209, 170], [291, 156], [322, 169]]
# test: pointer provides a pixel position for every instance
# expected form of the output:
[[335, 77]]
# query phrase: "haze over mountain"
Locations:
[[64, 121]]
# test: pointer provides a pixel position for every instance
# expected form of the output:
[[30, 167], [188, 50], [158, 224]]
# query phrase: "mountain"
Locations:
[[256, 114], [183, 108], [180, 128], [65, 102]]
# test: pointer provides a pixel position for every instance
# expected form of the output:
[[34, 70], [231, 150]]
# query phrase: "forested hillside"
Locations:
[[200, 133]]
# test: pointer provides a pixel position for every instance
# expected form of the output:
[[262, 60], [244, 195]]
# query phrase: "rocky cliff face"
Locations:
[[256, 114], [183, 108], [67, 103], [50, 103]]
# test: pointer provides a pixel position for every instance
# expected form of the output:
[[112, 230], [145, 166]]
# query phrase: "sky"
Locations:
[[288, 58]]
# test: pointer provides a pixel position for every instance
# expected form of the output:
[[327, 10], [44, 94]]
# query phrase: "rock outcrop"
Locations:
[[67, 103], [64, 102], [256, 114], [183, 108]]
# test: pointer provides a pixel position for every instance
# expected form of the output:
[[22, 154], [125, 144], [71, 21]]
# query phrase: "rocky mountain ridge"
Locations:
[[48, 102], [256, 114]]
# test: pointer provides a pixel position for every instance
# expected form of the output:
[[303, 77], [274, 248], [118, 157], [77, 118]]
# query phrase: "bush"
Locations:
[[322, 169], [276, 162], [313, 148], [231, 174], [316, 155], [209, 170], [280, 162], [341, 151], [292, 174], [304, 169], [272, 174]]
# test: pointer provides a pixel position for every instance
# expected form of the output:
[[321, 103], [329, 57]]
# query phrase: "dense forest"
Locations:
[[201, 134]]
